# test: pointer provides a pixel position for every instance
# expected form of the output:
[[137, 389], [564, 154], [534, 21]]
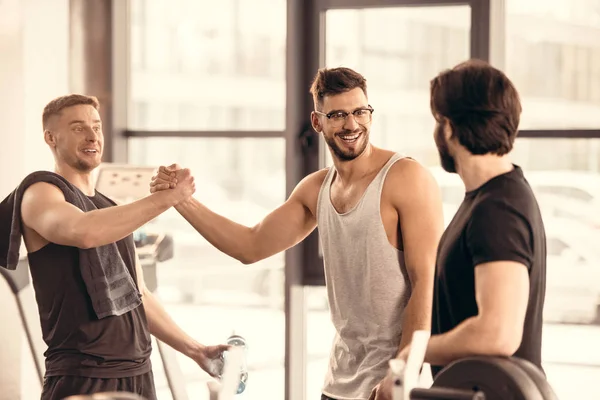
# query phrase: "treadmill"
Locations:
[[124, 184]]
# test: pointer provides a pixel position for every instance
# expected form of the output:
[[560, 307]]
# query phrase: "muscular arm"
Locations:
[[281, 229], [502, 292], [45, 210], [419, 207]]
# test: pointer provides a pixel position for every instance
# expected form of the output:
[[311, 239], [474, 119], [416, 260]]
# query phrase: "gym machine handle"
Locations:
[[445, 394]]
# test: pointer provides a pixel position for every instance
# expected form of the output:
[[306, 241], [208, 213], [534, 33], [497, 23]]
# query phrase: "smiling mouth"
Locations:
[[90, 151], [350, 138]]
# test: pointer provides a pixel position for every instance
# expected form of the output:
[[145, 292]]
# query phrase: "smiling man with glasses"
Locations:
[[380, 219]]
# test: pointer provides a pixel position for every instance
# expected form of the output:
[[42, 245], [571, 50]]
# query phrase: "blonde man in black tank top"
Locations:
[[87, 354], [380, 220]]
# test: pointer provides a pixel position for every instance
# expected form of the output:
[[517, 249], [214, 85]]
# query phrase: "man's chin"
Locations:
[[346, 156], [87, 167], [351, 155], [447, 162]]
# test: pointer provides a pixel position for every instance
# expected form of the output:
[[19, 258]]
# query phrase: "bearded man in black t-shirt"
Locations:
[[490, 276]]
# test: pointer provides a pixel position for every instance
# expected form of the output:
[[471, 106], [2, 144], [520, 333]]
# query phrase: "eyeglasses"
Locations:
[[338, 118]]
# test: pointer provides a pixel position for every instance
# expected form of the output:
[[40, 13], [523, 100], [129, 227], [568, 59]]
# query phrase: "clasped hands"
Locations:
[[173, 177]]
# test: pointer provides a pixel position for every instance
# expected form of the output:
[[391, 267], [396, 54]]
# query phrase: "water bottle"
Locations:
[[236, 340], [218, 364]]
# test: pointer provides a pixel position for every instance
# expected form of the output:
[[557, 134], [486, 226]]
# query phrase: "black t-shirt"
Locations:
[[78, 342], [499, 221]]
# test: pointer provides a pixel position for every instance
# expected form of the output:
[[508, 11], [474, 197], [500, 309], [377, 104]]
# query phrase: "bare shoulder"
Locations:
[[409, 180], [307, 190], [409, 171], [41, 192], [38, 200], [315, 179]]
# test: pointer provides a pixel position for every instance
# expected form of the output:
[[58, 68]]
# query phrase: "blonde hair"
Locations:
[[60, 103]]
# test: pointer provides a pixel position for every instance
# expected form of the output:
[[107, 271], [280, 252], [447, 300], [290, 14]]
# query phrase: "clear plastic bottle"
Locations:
[[237, 340], [219, 363]]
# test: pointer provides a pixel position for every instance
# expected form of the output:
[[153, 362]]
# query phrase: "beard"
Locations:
[[348, 154], [77, 163], [446, 159], [85, 166]]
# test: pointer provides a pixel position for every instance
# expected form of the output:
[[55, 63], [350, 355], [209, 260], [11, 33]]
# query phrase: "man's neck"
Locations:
[[350, 171], [84, 181], [477, 170]]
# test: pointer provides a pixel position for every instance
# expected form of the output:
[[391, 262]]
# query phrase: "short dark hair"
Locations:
[[55, 106], [332, 81], [481, 105]]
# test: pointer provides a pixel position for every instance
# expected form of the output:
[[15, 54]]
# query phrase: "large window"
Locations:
[[553, 56], [568, 193], [208, 293], [201, 65], [554, 60], [215, 69]]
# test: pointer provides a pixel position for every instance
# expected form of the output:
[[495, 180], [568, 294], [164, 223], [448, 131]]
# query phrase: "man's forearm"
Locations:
[[163, 327], [111, 224], [417, 314], [228, 236], [472, 337]]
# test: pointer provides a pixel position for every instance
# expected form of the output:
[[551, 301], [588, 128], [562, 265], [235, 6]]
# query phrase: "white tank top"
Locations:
[[367, 287]]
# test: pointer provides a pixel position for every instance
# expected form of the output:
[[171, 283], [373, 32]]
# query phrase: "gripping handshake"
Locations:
[[174, 177]]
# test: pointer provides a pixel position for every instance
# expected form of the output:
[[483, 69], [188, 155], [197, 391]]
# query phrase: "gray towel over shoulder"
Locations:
[[109, 284]]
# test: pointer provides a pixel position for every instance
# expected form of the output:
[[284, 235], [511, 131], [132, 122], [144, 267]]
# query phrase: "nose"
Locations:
[[92, 135], [350, 123]]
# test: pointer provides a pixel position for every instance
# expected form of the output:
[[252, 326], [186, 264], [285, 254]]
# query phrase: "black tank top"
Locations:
[[78, 342]]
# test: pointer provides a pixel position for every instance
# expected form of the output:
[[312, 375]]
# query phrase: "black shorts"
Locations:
[[59, 387]]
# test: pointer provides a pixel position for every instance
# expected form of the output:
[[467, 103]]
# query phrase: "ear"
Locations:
[[316, 123], [447, 129], [50, 138]]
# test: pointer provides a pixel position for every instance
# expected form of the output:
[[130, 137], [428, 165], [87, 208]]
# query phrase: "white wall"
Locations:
[[34, 45], [12, 94], [33, 70], [46, 66]]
